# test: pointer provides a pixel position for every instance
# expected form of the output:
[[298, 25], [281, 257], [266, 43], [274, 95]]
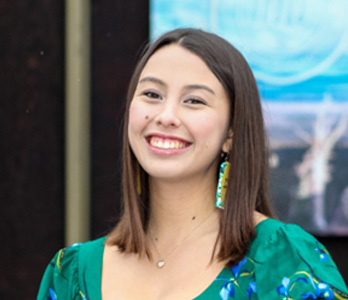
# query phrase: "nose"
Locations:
[[168, 115]]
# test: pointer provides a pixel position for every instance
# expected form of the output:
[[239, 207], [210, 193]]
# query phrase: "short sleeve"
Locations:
[[60, 280], [292, 264]]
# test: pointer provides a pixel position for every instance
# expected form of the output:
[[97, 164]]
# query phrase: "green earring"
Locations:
[[222, 184]]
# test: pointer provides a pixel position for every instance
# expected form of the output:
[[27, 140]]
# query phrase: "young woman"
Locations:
[[197, 222]]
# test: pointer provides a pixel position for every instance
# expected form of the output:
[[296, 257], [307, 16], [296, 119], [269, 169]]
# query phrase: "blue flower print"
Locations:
[[53, 295], [322, 291], [286, 286], [228, 289], [83, 297], [251, 289], [323, 253], [236, 269]]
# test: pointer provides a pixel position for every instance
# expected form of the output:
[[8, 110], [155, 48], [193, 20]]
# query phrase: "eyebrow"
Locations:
[[152, 79], [187, 87]]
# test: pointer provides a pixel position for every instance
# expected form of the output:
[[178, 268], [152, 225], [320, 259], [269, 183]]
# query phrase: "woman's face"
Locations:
[[179, 116]]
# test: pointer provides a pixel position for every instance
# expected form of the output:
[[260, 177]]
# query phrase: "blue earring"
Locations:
[[222, 184]]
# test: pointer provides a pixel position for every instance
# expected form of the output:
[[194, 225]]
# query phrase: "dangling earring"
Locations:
[[138, 180], [222, 182]]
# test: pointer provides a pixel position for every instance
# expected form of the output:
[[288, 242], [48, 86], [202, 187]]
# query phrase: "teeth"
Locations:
[[166, 144]]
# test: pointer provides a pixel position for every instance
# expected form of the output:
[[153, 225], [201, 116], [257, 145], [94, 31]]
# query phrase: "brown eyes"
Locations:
[[194, 101], [154, 96]]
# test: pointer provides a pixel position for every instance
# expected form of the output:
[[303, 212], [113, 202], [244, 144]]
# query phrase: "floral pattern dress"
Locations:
[[283, 263]]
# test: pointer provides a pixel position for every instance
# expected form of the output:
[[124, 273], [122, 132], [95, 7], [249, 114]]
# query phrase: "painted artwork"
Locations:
[[298, 51]]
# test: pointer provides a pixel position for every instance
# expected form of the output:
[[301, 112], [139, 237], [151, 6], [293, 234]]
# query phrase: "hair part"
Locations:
[[247, 188]]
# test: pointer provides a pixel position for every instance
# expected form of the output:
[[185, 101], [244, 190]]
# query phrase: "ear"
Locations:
[[227, 145]]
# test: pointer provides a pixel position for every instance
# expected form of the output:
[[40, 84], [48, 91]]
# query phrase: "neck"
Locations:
[[178, 207]]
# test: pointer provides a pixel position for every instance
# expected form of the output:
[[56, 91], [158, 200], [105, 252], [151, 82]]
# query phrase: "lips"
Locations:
[[166, 143]]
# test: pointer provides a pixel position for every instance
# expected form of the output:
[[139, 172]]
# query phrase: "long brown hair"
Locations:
[[247, 189]]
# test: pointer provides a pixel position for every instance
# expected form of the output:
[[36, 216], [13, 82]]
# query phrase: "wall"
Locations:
[[32, 128], [119, 29], [32, 141]]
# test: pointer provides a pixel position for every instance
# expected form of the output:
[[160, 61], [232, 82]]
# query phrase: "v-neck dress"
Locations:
[[283, 262]]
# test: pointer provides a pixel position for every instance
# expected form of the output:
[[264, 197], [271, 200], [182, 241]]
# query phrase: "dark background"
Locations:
[[32, 130]]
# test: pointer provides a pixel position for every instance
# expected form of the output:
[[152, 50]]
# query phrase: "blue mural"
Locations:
[[298, 51]]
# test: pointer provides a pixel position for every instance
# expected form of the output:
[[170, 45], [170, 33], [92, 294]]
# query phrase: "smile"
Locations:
[[164, 143]]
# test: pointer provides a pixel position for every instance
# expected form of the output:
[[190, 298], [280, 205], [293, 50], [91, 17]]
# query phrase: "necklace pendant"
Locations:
[[160, 263]]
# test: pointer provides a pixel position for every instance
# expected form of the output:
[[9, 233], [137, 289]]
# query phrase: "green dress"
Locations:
[[283, 262]]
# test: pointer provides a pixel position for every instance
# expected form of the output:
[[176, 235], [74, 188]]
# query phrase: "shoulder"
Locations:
[[287, 257], [62, 275], [272, 231], [69, 259], [274, 235]]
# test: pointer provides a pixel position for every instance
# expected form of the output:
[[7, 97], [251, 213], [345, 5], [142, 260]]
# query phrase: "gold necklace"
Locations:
[[161, 261]]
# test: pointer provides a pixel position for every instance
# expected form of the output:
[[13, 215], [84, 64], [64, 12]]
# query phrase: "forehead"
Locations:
[[174, 51], [176, 60]]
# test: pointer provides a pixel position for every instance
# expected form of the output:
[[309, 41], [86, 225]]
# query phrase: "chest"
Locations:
[[134, 278]]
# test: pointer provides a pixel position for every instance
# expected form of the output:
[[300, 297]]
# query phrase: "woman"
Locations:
[[197, 222]]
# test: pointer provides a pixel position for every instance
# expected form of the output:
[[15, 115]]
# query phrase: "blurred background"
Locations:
[[65, 68], [298, 51]]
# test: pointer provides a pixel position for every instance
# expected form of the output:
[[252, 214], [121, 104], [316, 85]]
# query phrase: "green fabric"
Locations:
[[283, 262], [74, 273]]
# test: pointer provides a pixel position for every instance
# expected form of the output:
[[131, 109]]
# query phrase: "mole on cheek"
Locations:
[[146, 117]]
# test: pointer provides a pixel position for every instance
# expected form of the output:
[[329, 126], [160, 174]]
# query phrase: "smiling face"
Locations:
[[178, 117]]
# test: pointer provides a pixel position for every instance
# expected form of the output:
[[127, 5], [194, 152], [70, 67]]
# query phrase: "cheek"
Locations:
[[134, 113], [204, 128], [209, 127], [135, 125], [210, 131], [137, 118]]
